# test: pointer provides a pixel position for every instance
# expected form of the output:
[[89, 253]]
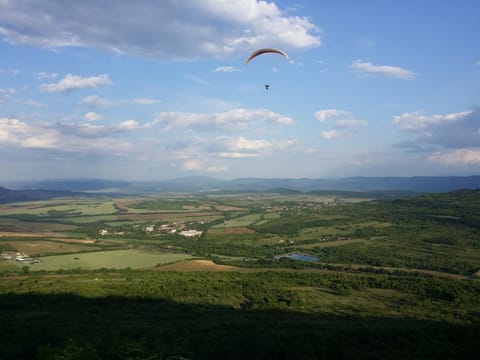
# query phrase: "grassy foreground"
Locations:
[[283, 314]]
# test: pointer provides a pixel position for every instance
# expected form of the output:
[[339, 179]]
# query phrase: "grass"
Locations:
[[39, 247], [241, 221], [115, 259], [66, 207], [86, 219], [328, 244]]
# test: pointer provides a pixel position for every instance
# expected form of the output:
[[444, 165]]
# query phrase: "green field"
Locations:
[[66, 207], [116, 259]]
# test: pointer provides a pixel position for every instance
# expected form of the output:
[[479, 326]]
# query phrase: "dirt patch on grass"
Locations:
[[8, 208], [76, 241], [197, 265], [198, 208], [126, 204]]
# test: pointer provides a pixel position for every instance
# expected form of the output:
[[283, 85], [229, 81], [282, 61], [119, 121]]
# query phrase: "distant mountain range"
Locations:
[[7, 195], [195, 184]]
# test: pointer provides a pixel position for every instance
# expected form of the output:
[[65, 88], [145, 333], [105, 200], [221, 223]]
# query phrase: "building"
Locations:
[[190, 233]]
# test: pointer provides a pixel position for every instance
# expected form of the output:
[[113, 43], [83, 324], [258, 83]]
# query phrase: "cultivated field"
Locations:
[[115, 259]]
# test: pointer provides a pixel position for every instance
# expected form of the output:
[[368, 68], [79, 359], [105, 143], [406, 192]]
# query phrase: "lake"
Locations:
[[300, 257]]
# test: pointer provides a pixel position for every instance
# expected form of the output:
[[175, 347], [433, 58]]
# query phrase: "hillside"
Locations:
[[7, 195]]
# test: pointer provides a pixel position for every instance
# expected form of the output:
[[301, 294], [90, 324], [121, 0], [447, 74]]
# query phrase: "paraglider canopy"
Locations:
[[266, 51], [267, 86]]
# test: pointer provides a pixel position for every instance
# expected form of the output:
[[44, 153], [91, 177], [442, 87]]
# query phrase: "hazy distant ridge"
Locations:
[[208, 184]]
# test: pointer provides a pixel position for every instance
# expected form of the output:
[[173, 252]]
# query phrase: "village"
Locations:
[[19, 257], [300, 206], [160, 229]]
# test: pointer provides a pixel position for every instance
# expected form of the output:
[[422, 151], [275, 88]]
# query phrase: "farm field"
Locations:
[[257, 227], [114, 259]]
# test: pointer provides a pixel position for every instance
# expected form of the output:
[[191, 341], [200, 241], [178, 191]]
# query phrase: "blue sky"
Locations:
[[150, 90]]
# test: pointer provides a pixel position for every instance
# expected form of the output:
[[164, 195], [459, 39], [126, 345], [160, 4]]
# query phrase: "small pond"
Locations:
[[299, 257]]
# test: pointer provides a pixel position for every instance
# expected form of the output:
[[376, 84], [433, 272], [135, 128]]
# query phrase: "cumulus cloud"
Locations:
[[448, 138], [92, 116], [324, 115], [235, 119], [203, 165], [329, 134], [225, 69], [214, 154], [73, 82], [385, 70], [459, 156], [95, 101], [69, 137], [14, 132], [128, 125], [341, 123], [416, 120], [239, 147], [167, 29]]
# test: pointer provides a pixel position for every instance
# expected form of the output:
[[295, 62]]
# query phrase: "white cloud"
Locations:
[[94, 101], [146, 101], [416, 120], [459, 156], [225, 69], [329, 134], [128, 125], [92, 116], [167, 29], [239, 147], [237, 154], [385, 70], [72, 82], [64, 136], [14, 132], [342, 122], [324, 115], [235, 119], [434, 133]]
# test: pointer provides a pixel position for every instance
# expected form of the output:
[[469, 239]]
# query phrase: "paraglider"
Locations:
[[266, 51]]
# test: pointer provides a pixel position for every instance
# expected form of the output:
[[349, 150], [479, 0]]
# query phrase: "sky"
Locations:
[[151, 90]]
